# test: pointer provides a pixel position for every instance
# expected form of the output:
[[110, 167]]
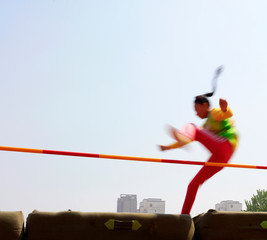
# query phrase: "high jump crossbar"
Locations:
[[129, 158]]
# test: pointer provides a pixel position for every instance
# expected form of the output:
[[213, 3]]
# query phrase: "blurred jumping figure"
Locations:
[[218, 135]]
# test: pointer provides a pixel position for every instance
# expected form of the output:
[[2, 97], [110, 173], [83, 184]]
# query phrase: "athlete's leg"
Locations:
[[221, 152], [210, 140], [215, 144], [204, 174]]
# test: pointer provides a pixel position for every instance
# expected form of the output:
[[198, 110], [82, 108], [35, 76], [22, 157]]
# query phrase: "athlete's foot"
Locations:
[[179, 136]]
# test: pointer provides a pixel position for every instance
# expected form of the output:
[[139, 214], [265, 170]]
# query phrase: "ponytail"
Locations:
[[214, 81], [204, 98]]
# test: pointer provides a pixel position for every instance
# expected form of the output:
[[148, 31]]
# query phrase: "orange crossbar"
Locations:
[[143, 159], [16, 149], [213, 164]]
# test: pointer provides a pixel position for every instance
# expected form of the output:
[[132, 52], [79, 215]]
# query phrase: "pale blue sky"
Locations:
[[108, 77]]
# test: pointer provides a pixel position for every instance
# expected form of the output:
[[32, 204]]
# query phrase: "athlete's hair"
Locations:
[[204, 98], [201, 99]]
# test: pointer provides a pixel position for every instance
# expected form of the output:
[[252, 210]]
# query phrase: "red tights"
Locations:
[[221, 151]]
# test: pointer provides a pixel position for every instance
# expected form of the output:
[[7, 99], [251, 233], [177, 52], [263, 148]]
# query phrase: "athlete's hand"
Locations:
[[223, 104]]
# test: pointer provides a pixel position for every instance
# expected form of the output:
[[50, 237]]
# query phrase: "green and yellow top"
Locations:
[[221, 124]]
